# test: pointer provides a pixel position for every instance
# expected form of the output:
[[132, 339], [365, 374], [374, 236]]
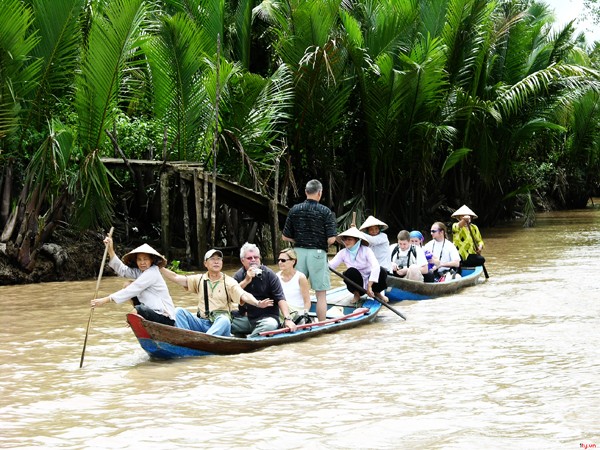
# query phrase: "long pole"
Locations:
[[363, 292], [87, 330]]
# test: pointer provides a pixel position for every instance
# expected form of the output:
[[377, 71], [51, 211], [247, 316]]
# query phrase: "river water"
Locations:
[[511, 363]]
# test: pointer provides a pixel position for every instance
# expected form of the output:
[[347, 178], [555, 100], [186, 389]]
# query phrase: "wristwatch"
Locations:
[[288, 317]]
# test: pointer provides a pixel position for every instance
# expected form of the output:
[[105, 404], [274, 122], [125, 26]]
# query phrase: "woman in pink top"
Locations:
[[363, 267]]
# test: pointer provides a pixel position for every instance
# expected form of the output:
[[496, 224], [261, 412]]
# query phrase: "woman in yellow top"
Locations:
[[467, 238]]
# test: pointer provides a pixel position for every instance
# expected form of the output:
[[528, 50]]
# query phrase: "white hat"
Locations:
[[209, 253], [373, 222], [130, 257], [355, 233], [464, 210]]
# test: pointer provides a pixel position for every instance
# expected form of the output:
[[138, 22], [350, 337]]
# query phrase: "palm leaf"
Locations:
[[19, 72], [113, 40], [176, 58], [454, 158], [58, 27], [512, 100]]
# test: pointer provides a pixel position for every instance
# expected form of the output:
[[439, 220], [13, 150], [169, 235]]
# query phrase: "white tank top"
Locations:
[[291, 290]]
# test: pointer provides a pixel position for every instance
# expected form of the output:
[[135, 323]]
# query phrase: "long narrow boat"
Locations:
[[400, 289], [166, 342]]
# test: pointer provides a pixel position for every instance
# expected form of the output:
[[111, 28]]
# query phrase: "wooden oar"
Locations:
[[363, 292], [87, 331], [357, 312]]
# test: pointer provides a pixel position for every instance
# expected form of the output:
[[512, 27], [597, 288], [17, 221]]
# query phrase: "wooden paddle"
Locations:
[[363, 292], [87, 331]]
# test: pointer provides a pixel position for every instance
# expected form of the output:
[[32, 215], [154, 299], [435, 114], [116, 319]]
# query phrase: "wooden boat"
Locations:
[[166, 342], [400, 289]]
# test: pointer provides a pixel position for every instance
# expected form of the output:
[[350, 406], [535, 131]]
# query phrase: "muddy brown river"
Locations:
[[512, 363]]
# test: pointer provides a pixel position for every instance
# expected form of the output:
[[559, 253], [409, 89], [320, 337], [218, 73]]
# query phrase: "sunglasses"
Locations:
[[252, 258], [283, 260], [434, 231]]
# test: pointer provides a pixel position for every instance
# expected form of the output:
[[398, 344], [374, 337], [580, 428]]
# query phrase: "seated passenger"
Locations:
[[408, 261], [294, 283], [218, 296], [445, 255], [263, 284], [417, 239], [378, 240], [363, 268]]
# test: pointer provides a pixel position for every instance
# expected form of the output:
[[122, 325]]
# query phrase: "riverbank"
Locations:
[[74, 256], [70, 257]]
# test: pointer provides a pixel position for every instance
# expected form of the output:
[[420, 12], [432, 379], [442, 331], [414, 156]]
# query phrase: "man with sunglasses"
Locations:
[[445, 255], [264, 285]]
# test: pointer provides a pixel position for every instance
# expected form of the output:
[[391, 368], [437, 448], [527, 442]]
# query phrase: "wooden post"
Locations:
[[200, 221], [185, 194], [213, 211], [275, 215], [164, 214]]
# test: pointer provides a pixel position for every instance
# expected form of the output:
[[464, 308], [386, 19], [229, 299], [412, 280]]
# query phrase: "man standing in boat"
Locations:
[[467, 238], [218, 296], [311, 227], [263, 284]]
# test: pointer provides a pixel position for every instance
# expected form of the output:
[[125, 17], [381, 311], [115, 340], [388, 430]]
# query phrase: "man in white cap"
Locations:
[[467, 238], [218, 296], [142, 264]]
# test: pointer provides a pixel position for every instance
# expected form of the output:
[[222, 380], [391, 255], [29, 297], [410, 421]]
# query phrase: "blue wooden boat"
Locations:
[[400, 289], [166, 342]]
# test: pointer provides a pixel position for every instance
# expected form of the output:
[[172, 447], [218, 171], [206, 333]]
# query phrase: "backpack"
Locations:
[[411, 251]]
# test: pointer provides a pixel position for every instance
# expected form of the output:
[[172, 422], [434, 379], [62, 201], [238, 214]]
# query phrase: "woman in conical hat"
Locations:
[[378, 240], [467, 238], [363, 268], [142, 264]]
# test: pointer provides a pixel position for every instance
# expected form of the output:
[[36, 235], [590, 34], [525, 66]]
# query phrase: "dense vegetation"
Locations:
[[401, 107]]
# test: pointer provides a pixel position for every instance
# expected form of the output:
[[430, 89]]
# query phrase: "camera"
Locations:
[[257, 272]]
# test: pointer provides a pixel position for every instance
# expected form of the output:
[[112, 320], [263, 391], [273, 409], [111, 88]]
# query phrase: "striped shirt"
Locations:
[[310, 224]]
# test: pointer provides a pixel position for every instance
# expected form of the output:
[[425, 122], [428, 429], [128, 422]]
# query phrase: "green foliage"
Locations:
[[401, 106], [19, 71]]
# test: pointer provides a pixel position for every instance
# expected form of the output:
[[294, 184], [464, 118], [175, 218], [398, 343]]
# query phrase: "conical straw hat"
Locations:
[[373, 222], [130, 257], [464, 210], [355, 233]]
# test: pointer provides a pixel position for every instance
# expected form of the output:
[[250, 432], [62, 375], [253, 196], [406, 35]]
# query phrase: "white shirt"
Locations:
[[148, 286], [291, 290], [380, 245], [401, 257], [445, 251]]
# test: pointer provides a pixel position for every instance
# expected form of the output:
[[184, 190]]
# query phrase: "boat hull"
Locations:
[[166, 342], [400, 289]]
